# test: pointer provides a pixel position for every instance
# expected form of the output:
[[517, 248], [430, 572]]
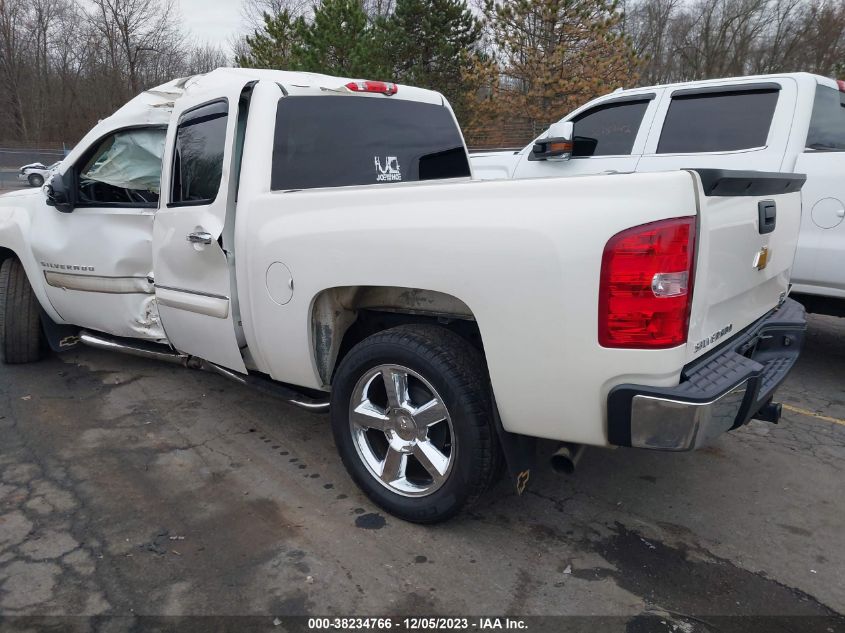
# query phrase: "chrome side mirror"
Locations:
[[556, 144]]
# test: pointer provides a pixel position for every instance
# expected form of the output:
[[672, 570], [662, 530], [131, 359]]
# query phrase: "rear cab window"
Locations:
[[609, 129], [827, 124], [345, 140], [718, 120]]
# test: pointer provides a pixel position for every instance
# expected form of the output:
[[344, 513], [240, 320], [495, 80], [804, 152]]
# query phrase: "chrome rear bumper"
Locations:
[[718, 392]]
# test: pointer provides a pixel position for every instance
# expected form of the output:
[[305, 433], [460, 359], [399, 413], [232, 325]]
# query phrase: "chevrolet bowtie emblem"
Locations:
[[761, 259]]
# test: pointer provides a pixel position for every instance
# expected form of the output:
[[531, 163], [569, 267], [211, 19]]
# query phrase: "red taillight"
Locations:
[[646, 285], [380, 87], [841, 85]]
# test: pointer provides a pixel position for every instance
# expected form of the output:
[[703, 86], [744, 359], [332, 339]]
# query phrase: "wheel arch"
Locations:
[[32, 270], [342, 316]]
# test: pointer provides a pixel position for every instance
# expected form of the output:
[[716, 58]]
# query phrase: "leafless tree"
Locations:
[[682, 40]]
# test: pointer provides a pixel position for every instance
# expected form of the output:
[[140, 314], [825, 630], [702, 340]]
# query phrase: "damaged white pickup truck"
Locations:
[[322, 239]]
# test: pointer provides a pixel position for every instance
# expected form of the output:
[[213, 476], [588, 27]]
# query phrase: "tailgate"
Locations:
[[747, 234]]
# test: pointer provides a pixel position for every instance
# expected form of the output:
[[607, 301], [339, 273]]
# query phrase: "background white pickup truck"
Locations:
[[276, 228], [790, 122]]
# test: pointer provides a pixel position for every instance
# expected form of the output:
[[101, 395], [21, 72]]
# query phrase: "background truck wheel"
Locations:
[[35, 180], [21, 339], [411, 417]]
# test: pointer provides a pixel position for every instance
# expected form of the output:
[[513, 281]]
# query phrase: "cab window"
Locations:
[[608, 129], [827, 125], [198, 159], [123, 169], [340, 141], [722, 121]]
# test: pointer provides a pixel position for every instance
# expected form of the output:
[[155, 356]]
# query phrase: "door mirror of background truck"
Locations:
[[557, 144]]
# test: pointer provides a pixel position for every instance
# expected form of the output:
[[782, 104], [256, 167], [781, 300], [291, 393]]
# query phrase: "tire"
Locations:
[[444, 377], [35, 180], [21, 338]]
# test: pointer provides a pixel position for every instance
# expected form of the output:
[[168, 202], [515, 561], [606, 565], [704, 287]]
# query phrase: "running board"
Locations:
[[155, 351], [141, 349], [270, 387]]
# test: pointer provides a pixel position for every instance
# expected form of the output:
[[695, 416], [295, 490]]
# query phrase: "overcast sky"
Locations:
[[213, 20]]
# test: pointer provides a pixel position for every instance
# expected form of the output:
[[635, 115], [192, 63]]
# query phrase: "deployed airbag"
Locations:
[[132, 162]]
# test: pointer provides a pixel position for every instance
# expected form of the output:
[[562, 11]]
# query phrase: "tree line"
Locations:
[[65, 64], [509, 67]]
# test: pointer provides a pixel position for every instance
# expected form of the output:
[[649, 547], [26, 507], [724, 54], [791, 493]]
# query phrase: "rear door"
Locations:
[[747, 235], [193, 274], [818, 265], [608, 137]]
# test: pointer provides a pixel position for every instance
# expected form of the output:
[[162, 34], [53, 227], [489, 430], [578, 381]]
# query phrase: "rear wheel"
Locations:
[[20, 318], [35, 180], [411, 417]]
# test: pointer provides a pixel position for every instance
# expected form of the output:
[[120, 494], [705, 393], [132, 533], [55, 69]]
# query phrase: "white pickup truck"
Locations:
[[791, 122], [322, 239]]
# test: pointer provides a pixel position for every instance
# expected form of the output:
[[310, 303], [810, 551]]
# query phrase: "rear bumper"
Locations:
[[718, 392]]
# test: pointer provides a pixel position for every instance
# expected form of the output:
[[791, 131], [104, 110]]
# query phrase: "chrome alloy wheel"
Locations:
[[402, 430]]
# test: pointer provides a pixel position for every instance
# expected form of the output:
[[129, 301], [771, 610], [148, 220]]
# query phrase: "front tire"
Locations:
[[411, 416], [35, 180], [21, 338]]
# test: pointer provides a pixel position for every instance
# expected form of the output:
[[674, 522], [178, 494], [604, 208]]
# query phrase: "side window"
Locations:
[[608, 130], [827, 125], [718, 121], [124, 170], [198, 159]]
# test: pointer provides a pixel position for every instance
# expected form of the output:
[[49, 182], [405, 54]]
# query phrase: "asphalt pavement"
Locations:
[[130, 488], [9, 180]]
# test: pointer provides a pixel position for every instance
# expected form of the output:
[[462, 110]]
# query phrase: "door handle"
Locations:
[[199, 237], [768, 214]]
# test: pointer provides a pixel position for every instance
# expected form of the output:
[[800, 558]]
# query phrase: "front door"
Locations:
[[194, 280], [608, 137], [97, 260]]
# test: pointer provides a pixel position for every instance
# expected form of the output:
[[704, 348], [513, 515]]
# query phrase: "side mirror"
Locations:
[[57, 194], [557, 144]]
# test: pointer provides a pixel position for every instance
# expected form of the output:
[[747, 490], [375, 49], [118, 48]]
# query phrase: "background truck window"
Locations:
[[718, 121], [198, 160], [827, 125], [336, 141], [608, 130]]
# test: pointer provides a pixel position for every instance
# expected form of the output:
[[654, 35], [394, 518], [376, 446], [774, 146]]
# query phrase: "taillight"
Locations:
[[645, 291], [841, 85], [380, 87]]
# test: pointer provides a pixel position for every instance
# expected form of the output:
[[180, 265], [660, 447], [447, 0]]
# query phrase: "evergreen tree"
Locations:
[[339, 41], [274, 46], [434, 44]]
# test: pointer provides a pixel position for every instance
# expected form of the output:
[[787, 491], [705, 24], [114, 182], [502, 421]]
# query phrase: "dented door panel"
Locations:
[[97, 264]]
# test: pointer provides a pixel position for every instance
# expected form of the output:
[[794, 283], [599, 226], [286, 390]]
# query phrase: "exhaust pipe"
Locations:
[[152, 351], [566, 457], [770, 412]]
